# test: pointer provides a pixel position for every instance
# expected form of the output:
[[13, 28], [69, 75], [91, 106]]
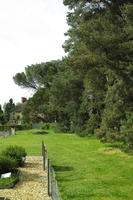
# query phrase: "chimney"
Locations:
[[23, 99]]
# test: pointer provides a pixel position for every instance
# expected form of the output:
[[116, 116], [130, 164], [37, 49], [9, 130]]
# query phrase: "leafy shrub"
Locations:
[[101, 134], [45, 126], [15, 152], [7, 164]]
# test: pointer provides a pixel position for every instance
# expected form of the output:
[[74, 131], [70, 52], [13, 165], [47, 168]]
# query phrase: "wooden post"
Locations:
[[49, 179], [42, 148], [43, 154]]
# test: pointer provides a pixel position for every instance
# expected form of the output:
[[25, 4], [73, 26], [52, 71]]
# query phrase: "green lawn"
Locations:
[[86, 169]]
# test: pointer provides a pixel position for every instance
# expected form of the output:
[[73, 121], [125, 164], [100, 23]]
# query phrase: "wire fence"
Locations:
[[53, 190]]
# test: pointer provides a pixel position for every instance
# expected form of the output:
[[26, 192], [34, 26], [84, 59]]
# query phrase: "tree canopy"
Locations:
[[90, 91]]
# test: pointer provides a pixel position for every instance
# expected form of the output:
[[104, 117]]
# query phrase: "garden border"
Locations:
[[14, 183]]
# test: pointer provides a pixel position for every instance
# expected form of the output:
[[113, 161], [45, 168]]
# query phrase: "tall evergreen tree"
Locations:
[[90, 91], [1, 116], [100, 49], [9, 109]]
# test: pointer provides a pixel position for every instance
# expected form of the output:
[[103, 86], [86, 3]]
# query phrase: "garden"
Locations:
[[11, 158], [85, 168]]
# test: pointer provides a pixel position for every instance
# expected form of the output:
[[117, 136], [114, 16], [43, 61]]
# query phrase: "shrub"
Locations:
[[45, 126], [15, 152], [101, 134], [127, 130], [7, 164]]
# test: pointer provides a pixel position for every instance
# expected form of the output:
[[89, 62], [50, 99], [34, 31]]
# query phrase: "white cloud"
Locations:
[[31, 31]]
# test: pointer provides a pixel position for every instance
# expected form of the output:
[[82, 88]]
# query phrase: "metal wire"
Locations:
[[53, 189]]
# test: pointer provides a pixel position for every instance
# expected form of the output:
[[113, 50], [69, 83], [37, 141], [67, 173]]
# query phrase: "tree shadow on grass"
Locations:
[[62, 168]]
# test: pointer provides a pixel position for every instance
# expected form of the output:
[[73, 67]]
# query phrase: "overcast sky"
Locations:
[[31, 31]]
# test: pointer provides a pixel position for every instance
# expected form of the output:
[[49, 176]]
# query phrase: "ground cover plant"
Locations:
[[85, 168], [9, 182]]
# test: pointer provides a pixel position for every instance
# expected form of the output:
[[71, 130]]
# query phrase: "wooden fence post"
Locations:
[[43, 154], [42, 148], [53, 191], [49, 179]]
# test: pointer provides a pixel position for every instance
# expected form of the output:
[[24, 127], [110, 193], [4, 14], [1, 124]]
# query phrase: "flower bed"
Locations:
[[10, 159], [10, 182]]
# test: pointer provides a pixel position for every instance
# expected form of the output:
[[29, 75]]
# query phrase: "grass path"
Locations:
[[85, 168]]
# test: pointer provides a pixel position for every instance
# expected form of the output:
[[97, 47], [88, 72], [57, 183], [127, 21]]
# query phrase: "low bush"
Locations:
[[7, 164], [16, 152], [45, 126]]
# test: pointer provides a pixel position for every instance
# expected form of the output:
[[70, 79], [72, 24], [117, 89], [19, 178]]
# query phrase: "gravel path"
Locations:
[[32, 184]]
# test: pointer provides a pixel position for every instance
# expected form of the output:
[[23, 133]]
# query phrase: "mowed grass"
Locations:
[[85, 168]]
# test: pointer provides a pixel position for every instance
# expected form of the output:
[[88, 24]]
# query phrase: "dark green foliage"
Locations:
[[9, 109], [21, 126], [39, 77], [16, 126], [1, 116], [127, 130], [36, 76], [7, 164], [65, 98], [16, 152], [90, 90], [45, 126], [100, 47]]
